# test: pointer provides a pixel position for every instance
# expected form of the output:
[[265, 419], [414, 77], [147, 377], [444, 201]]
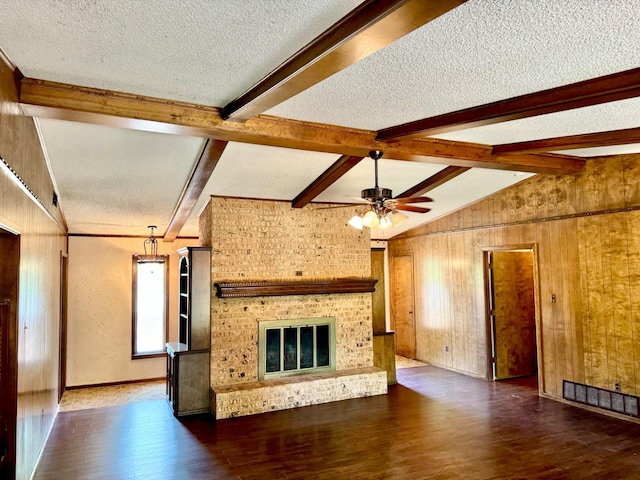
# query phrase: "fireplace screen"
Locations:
[[289, 347]]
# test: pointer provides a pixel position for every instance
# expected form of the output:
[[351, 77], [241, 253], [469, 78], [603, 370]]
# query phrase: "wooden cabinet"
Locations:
[[188, 359], [187, 379]]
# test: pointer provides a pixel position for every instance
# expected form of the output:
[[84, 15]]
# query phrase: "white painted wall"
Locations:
[[99, 310]]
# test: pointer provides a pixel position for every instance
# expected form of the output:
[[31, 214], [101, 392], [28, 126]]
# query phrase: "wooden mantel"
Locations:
[[294, 287]]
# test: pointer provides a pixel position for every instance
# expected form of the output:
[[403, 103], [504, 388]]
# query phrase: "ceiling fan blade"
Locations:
[[410, 208], [359, 199], [413, 200]]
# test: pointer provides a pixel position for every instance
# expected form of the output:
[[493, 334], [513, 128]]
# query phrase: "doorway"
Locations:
[[510, 285], [62, 358], [9, 268], [402, 304]]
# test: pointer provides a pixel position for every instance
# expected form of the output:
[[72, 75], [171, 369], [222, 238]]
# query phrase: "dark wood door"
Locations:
[[4, 387], [513, 314], [403, 308]]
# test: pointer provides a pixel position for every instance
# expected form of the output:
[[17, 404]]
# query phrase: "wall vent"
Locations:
[[601, 398]]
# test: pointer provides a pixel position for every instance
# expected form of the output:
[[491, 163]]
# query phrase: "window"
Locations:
[[150, 306]]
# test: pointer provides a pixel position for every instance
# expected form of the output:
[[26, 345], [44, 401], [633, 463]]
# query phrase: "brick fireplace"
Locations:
[[255, 241]]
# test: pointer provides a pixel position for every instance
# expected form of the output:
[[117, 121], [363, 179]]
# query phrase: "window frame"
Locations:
[[134, 309]]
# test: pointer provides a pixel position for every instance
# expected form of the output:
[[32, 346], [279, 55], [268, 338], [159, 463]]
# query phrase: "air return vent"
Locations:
[[601, 398]]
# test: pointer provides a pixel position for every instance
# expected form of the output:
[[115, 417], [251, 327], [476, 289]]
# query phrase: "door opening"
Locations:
[[9, 268], [510, 285], [62, 359]]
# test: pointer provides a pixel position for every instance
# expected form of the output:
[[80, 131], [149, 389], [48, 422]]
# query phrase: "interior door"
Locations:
[[9, 272], [403, 316], [513, 314], [62, 359], [4, 387]]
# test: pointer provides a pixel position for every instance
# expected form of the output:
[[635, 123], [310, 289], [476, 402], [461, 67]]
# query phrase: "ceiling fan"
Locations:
[[382, 210]]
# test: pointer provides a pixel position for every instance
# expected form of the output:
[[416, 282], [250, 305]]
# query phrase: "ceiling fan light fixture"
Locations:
[[384, 222], [398, 218], [370, 219], [381, 211], [356, 222]]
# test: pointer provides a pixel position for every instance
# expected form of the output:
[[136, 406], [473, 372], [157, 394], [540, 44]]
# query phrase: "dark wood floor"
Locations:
[[435, 425]]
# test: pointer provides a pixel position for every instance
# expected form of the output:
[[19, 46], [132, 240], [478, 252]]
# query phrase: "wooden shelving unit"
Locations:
[[188, 359]]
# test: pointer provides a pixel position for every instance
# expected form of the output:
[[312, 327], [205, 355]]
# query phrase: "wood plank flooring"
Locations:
[[436, 424]]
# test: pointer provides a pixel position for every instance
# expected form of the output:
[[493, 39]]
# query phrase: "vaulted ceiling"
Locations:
[[147, 108]]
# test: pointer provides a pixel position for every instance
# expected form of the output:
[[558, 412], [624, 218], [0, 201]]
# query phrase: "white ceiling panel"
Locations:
[[206, 51], [603, 151], [258, 171], [115, 181], [480, 52], [597, 118]]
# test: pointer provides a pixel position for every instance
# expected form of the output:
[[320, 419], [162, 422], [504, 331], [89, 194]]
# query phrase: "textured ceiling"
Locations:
[[597, 118], [115, 181], [206, 51], [480, 52]]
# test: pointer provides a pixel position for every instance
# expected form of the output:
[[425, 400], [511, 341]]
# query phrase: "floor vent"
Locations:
[[601, 398]]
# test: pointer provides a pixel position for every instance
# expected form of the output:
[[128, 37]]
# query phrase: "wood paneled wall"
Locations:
[[586, 231], [42, 238]]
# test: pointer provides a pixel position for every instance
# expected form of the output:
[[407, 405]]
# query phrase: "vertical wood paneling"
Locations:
[[585, 282], [571, 284], [622, 327], [471, 333], [591, 333], [597, 350], [633, 223], [562, 330], [547, 308], [476, 258], [614, 181], [631, 173], [41, 241]]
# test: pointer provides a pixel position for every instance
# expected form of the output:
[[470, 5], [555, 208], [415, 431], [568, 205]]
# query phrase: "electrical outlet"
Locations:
[[617, 386], [446, 348]]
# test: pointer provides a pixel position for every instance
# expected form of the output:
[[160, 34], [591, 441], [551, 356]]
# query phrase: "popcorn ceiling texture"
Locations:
[[480, 52], [256, 240], [205, 52]]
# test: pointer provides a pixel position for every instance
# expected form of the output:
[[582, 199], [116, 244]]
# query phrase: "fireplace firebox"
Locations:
[[295, 347]]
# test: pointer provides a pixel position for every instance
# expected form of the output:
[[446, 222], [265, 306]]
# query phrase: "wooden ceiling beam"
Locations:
[[40, 98], [324, 181], [370, 27], [440, 178], [610, 88], [199, 177], [588, 140]]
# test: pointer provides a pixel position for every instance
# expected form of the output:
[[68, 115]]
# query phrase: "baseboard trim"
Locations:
[[111, 384], [44, 444]]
